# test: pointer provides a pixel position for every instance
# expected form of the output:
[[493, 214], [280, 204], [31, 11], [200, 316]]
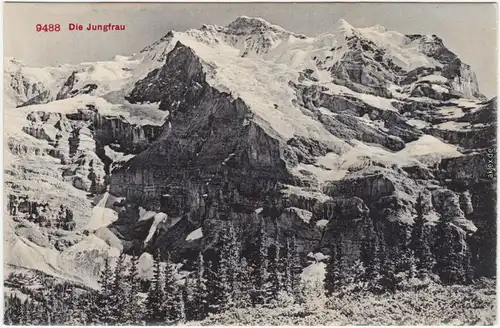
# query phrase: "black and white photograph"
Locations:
[[246, 164]]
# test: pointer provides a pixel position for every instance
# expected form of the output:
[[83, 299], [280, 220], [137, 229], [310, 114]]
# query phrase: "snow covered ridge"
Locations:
[[244, 37], [366, 112], [33, 85], [256, 61], [253, 37]]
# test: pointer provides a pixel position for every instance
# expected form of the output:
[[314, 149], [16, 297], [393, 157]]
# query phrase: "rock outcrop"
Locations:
[[321, 138], [214, 162]]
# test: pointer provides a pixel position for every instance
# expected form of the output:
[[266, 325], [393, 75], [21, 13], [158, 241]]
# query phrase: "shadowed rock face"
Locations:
[[368, 68], [210, 158], [216, 160], [345, 123], [213, 162]]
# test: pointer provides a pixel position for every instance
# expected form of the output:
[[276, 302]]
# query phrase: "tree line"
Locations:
[[224, 278], [420, 256], [225, 281]]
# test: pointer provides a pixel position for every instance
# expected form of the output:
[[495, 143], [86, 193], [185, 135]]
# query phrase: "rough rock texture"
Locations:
[[235, 145], [214, 163], [21, 88], [312, 137]]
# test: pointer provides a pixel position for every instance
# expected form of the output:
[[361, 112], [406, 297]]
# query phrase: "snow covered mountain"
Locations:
[[244, 122]]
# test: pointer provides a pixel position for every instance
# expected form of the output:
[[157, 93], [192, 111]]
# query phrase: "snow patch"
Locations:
[[419, 124], [146, 215], [433, 78], [102, 216], [194, 235], [429, 145], [145, 265], [451, 111], [304, 215], [314, 272], [317, 256], [116, 156], [158, 218], [322, 223], [453, 126]]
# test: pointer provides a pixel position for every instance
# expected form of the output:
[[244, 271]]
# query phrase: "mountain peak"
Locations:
[[11, 64], [248, 21], [344, 24], [344, 27], [248, 25], [379, 28]]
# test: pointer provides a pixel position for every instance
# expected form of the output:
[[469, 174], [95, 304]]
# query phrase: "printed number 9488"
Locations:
[[48, 27]]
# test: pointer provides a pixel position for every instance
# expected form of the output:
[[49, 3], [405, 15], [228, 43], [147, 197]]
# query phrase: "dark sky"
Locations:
[[468, 29]]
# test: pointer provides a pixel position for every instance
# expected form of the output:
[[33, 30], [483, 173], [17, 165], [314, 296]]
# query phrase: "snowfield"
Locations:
[[259, 68]]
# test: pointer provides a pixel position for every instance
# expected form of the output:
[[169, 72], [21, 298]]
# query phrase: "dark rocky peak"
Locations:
[[257, 35], [372, 56], [244, 25], [433, 46], [67, 87], [182, 67]]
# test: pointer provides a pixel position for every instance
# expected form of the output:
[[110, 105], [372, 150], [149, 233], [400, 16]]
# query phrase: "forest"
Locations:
[[233, 289]]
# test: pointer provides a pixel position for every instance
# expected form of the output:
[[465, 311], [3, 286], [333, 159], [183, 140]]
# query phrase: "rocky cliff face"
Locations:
[[21, 87], [225, 176], [312, 137]]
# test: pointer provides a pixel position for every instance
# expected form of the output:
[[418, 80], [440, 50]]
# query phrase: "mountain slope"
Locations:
[[252, 123]]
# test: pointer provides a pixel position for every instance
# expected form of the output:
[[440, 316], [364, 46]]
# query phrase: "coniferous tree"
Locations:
[[118, 291], [287, 272], [25, 319], [170, 290], [292, 268], [154, 300], [295, 271], [179, 313], [402, 260], [449, 262], [335, 269], [36, 311], [49, 303], [243, 292], [387, 272], [27, 312], [73, 312], [133, 308], [227, 269], [64, 295], [87, 302], [356, 274], [468, 267], [370, 252], [419, 243], [13, 310], [200, 306], [260, 269], [412, 265], [233, 261], [212, 283], [223, 285], [103, 312], [188, 298], [275, 275]]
